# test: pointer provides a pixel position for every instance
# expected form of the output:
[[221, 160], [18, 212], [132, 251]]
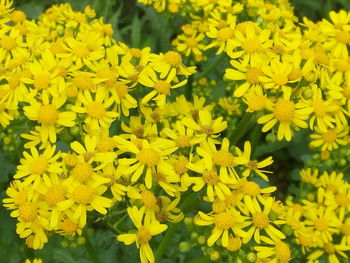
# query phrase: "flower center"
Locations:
[[224, 221], [28, 212], [143, 235], [207, 129], [223, 158], [47, 115], [321, 224], [173, 58], [319, 108], [283, 254], [329, 136], [39, 166], [183, 141], [343, 37], [8, 43], [41, 82], [342, 200], [106, 144], [252, 165], [252, 45], [70, 159], [68, 226], [148, 157], [83, 194], [82, 172], [211, 177], [224, 34], [55, 194], [322, 58], [80, 50], [180, 166], [280, 79], [253, 74], [251, 188], [284, 110], [191, 42], [162, 87], [260, 220], [148, 199], [329, 248], [83, 82], [95, 109]]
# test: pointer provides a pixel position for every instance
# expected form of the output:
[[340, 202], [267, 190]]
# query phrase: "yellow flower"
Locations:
[[190, 44], [259, 219], [330, 139], [331, 250], [97, 110], [286, 113], [49, 117], [230, 221], [280, 251], [36, 167], [149, 157], [161, 86], [205, 124], [145, 231], [252, 166]]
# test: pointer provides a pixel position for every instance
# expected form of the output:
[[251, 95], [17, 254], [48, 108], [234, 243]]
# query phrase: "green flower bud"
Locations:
[[184, 247], [251, 257]]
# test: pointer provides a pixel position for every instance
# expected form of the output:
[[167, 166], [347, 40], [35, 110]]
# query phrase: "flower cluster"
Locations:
[[319, 217]]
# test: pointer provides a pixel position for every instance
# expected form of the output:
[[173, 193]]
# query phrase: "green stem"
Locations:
[[242, 127], [91, 250], [188, 201], [211, 67]]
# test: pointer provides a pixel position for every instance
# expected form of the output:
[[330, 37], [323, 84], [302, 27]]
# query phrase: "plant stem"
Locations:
[[200, 260], [91, 250], [212, 66], [242, 127]]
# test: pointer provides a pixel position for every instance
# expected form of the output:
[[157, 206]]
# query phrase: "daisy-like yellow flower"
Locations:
[[124, 101], [190, 44], [83, 197], [145, 231], [249, 41], [279, 252], [215, 185], [149, 157], [252, 166], [323, 222], [287, 114], [330, 139], [8, 109], [161, 86], [170, 62], [168, 210], [225, 223], [50, 118], [260, 220], [36, 166], [333, 251], [85, 50], [205, 124], [276, 74], [322, 110], [249, 72], [98, 114], [221, 35], [182, 136]]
